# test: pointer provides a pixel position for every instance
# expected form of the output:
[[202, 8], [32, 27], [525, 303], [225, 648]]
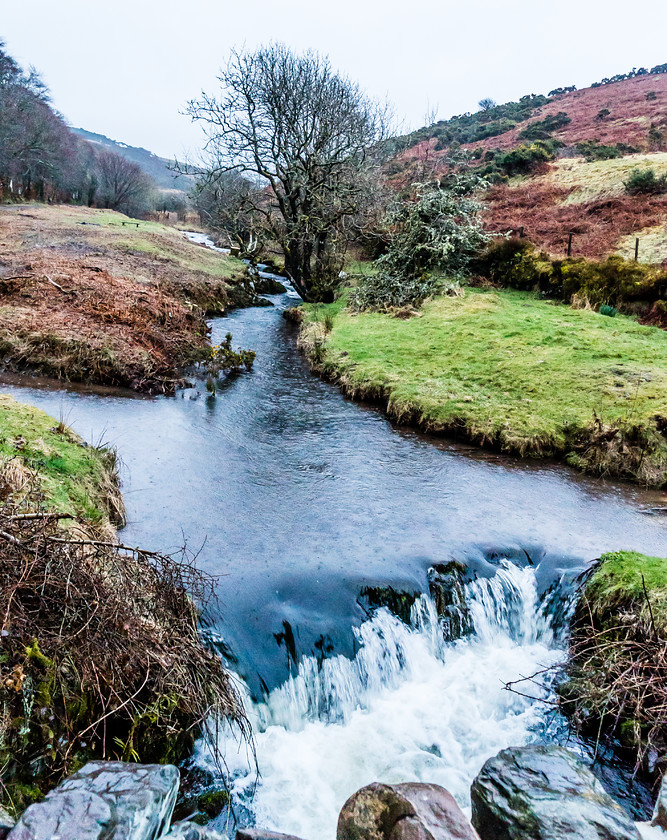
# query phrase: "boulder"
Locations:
[[105, 800], [659, 819], [446, 585], [411, 811], [544, 792]]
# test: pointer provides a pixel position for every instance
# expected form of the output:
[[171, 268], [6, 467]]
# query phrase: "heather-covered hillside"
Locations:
[[559, 165]]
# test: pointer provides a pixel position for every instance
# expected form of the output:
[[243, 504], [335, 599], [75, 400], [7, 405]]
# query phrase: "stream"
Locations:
[[298, 499]]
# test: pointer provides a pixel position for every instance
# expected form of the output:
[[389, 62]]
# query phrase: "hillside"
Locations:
[[156, 167], [595, 138]]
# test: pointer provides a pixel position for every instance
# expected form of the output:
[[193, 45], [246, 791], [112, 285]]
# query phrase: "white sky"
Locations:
[[125, 68]]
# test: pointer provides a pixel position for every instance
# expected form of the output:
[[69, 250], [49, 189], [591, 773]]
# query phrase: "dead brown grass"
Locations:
[[101, 656], [82, 298]]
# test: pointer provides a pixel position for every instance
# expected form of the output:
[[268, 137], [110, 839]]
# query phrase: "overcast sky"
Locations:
[[125, 68]]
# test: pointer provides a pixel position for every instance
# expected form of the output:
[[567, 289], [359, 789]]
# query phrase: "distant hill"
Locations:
[[593, 138], [156, 167]]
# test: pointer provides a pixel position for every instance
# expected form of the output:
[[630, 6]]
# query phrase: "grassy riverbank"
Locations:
[[508, 370], [91, 295], [73, 478], [100, 655], [616, 677]]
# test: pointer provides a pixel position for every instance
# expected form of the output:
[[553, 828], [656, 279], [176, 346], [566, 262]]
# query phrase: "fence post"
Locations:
[[569, 244], [637, 249]]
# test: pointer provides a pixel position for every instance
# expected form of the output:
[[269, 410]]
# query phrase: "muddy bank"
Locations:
[[92, 296]]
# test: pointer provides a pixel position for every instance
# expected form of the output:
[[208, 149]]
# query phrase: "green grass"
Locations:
[[503, 365], [619, 582], [73, 477], [366, 267]]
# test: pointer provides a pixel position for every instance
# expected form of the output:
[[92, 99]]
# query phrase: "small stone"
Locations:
[[261, 834]]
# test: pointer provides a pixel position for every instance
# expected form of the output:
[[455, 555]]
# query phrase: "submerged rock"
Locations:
[[412, 811], [106, 800], [6, 823], [446, 585], [544, 792], [191, 831], [262, 834], [659, 818]]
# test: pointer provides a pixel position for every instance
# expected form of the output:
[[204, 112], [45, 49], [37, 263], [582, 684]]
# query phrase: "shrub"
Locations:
[[615, 282], [602, 114], [223, 359], [524, 159], [610, 311], [645, 182], [382, 291], [651, 96], [439, 230], [543, 129], [594, 150]]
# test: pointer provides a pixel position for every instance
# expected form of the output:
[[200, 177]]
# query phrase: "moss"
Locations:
[[622, 582], [214, 801]]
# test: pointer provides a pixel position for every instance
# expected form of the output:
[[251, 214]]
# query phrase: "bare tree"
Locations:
[[124, 185], [305, 138]]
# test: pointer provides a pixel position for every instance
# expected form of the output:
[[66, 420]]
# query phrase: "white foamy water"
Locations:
[[408, 707], [204, 239]]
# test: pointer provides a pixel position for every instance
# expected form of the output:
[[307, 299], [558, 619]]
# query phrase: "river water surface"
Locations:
[[299, 499]]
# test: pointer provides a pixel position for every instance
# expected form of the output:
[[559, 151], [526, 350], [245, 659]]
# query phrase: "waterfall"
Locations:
[[408, 707]]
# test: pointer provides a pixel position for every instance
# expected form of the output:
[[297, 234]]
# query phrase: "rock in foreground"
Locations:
[[412, 811], [106, 800], [544, 792]]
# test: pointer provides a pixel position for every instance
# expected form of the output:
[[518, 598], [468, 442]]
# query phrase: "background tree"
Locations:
[[36, 146], [305, 138], [487, 103], [123, 185]]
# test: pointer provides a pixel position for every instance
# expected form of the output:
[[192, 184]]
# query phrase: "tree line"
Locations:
[[42, 160]]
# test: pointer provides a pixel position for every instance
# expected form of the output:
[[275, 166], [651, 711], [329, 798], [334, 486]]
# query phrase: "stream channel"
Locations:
[[298, 499]]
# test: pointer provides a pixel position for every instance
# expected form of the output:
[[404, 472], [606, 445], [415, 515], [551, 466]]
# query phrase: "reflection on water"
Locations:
[[300, 497]]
